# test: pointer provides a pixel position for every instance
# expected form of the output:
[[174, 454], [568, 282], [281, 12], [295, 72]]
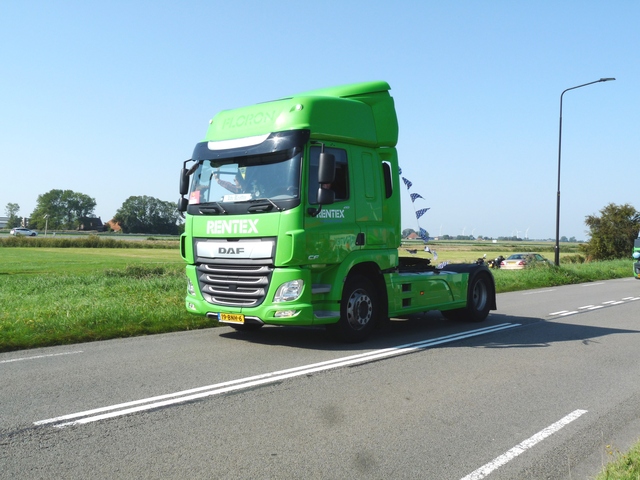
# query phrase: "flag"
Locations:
[[399, 170], [421, 212], [423, 235], [416, 195], [440, 266], [407, 183], [435, 254]]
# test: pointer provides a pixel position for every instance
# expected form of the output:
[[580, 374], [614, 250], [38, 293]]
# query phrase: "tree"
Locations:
[[64, 209], [407, 231], [11, 211], [148, 215], [612, 233]]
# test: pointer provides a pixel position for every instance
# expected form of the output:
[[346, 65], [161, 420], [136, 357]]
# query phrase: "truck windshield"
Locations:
[[275, 177]]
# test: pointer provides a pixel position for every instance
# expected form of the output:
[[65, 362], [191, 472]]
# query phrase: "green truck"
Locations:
[[292, 217]]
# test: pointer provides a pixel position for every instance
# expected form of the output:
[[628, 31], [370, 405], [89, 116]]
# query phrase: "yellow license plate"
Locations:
[[231, 317]]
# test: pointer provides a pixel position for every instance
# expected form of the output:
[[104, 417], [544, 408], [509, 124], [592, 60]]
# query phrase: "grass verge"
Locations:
[[54, 296], [566, 274], [624, 467], [43, 310]]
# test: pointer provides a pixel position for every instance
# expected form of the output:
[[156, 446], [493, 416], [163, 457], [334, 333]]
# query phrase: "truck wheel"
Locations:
[[478, 305], [359, 310]]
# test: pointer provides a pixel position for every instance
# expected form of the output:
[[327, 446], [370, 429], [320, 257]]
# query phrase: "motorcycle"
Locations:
[[495, 263]]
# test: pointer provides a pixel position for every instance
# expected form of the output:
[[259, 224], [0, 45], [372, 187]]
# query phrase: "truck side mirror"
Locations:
[[184, 181], [326, 168], [326, 196], [326, 176], [182, 204]]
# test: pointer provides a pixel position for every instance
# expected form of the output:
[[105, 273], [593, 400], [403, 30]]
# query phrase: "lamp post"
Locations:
[[557, 248], [46, 223]]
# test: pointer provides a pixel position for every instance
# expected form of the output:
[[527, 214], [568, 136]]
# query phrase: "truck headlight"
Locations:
[[190, 289], [289, 291]]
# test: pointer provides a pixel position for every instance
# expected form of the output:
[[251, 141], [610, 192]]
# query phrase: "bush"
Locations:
[[573, 259], [88, 241]]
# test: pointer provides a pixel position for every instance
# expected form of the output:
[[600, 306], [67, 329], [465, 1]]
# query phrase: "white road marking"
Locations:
[[263, 379], [591, 284], [523, 447], [608, 303], [536, 292], [40, 356]]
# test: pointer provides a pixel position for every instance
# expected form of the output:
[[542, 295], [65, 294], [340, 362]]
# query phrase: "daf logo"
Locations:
[[231, 251]]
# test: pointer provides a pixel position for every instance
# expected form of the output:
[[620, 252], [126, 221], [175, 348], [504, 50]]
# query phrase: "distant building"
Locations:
[[115, 226], [4, 221], [92, 223]]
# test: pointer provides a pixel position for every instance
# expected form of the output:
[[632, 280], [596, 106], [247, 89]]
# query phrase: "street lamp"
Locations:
[[557, 249], [46, 223]]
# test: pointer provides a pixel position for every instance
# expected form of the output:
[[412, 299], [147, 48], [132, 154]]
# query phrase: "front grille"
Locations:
[[234, 285]]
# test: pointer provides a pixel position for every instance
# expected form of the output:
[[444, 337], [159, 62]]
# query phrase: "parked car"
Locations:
[[23, 231], [518, 261]]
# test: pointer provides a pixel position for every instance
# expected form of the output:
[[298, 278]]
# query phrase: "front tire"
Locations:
[[359, 310]]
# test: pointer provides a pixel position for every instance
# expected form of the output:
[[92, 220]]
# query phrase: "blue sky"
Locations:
[[109, 98]]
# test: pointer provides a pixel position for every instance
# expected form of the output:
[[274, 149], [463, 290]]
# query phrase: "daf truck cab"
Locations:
[[292, 217]]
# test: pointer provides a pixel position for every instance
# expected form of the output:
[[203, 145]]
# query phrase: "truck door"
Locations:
[[368, 200], [331, 235]]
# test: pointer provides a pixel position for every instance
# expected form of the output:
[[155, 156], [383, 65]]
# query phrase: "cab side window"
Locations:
[[341, 184]]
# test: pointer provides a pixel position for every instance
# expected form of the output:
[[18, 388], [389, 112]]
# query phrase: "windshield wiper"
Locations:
[[212, 207], [262, 204]]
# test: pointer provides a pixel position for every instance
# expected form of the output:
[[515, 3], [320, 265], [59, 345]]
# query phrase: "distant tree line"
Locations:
[[61, 210], [66, 209], [147, 215], [612, 233]]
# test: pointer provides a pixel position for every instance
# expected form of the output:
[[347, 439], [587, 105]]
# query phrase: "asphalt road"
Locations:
[[544, 389]]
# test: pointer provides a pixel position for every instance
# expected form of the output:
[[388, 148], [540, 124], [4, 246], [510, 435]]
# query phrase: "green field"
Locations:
[[81, 261]]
